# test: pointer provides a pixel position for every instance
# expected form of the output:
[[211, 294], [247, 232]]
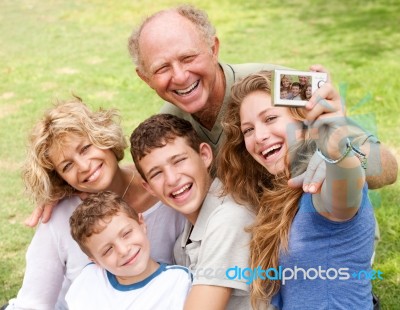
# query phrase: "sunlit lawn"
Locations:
[[52, 49]]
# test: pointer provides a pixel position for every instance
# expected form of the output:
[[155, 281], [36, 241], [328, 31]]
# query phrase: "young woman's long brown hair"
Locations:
[[248, 182]]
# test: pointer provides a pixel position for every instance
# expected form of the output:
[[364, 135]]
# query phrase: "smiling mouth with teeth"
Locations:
[[181, 191], [187, 90], [271, 150], [92, 176]]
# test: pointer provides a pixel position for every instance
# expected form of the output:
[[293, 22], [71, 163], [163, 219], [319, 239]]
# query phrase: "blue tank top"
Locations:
[[335, 257]]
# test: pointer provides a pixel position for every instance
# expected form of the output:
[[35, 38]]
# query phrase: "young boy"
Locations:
[[175, 166], [284, 93], [123, 276]]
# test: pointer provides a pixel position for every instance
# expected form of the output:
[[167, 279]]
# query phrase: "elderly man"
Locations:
[[176, 54]]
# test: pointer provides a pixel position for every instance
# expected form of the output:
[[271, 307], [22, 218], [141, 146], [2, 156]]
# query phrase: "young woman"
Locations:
[[306, 92], [318, 240], [73, 149]]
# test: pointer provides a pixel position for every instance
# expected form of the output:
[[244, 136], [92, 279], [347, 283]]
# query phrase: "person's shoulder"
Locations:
[[159, 208], [230, 206], [178, 269], [179, 273], [69, 202], [89, 274], [227, 205], [87, 283], [230, 213], [63, 211], [90, 270]]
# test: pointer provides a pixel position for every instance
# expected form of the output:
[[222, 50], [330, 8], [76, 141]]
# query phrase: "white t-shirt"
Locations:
[[54, 259], [97, 289]]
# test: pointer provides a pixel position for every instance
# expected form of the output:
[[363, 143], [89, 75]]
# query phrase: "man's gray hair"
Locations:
[[198, 17]]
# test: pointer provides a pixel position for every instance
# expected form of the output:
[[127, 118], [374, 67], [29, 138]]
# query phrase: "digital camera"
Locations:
[[294, 88]]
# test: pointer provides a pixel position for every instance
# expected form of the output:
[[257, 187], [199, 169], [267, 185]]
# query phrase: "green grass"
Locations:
[[51, 50]]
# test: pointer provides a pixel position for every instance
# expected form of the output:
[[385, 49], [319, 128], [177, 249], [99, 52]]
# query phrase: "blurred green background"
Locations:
[[52, 49]]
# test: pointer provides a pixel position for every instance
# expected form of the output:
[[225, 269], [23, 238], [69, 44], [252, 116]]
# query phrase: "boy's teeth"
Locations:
[[181, 190]]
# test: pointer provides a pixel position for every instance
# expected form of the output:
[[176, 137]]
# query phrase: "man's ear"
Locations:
[[206, 154], [148, 188], [215, 47], [143, 76]]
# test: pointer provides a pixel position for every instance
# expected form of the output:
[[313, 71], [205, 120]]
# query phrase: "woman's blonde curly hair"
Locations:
[[66, 118]]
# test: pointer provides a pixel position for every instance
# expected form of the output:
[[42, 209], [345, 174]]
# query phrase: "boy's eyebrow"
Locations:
[[103, 246], [151, 170], [121, 230], [172, 158], [99, 248]]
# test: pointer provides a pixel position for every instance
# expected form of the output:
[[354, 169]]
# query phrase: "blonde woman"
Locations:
[[73, 149]]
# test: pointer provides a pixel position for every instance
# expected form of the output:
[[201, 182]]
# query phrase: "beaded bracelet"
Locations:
[[361, 156], [349, 147]]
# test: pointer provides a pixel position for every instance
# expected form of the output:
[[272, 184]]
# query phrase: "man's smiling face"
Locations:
[[178, 63]]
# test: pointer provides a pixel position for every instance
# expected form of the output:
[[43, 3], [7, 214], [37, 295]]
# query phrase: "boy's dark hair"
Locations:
[[93, 214], [156, 132], [296, 84]]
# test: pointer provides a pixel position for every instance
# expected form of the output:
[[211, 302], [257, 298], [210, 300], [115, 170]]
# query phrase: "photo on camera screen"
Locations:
[[295, 88]]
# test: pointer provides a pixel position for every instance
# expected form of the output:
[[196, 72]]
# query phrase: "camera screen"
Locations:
[[295, 87]]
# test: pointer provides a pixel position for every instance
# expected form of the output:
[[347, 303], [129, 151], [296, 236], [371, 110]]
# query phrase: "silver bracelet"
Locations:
[[349, 147], [335, 161], [373, 140]]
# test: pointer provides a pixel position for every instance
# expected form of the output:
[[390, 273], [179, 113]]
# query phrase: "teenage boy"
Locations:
[[295, 89], [123, 276], [174, 164]]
